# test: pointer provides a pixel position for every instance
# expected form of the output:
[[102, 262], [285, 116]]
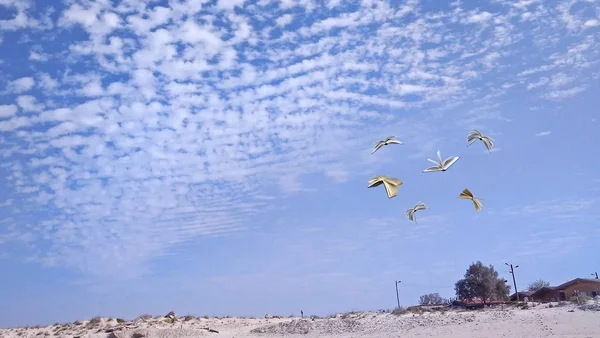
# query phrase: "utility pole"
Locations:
[[595, 274], [512, 272], [397, 297]]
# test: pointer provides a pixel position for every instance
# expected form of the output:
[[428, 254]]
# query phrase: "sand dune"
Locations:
[[535, 321]]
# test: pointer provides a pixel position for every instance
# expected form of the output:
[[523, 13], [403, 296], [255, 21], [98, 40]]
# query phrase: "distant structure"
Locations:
[[522, 295], [563, 292], [302, 313]]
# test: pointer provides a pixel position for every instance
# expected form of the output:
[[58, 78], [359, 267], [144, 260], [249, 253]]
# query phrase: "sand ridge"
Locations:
[[541, 320]]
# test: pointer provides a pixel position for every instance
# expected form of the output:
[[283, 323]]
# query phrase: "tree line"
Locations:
[[479, 282]]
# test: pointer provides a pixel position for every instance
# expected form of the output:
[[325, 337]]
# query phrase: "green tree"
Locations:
[[482, 282], [538, 284]]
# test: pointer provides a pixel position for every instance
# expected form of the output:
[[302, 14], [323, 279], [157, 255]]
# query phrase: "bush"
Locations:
[[432, 299], [399, 311], [581, 299], [95, 320]]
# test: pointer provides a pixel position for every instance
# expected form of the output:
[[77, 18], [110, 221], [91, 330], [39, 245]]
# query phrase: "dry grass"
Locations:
[[145, 316], [96, 320], [399, 311]]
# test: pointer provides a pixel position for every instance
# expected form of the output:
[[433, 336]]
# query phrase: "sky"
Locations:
[[212, 157]]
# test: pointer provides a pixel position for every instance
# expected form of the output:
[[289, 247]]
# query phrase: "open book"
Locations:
[[441, 165], [391, 184], [475, 135], [411, 212], [466, 194], [388, 140]]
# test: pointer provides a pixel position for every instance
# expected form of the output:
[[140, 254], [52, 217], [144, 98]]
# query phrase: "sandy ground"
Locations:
[[539, 321]]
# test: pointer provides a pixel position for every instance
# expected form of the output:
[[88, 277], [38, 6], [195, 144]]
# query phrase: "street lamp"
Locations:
[[512, 272], [397, 296]]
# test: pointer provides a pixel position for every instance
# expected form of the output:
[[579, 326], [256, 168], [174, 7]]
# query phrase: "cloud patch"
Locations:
[[543, 133], [158, 124], [22, 84]]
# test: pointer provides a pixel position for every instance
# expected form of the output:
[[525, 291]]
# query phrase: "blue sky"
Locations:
[[212, 157]]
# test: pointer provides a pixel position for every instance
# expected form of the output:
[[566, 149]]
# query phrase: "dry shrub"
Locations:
[[145, 316], [96, 320], [399, 311]]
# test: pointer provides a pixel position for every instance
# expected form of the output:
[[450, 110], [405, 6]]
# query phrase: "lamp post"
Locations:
[[512, 272], [397, 296]]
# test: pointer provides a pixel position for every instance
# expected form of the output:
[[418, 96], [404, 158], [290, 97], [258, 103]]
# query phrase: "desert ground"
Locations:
[[532, 320]]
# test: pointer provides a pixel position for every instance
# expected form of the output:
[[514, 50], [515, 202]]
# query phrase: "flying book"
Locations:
[[391, 184], [388, 140], [475, 135], [411, 212], [441, 165], [466, 194]]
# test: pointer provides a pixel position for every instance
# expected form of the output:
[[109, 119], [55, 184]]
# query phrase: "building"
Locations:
[[523, 296], [563, 292]]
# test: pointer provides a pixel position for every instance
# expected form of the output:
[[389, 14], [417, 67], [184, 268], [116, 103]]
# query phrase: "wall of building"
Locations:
[[583, 287], [547, 296]]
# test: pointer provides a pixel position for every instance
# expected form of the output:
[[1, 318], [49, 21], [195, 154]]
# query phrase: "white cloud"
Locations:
[[564, 94], [47, 82], [192, 33], [230, 4], [23, 84], [566, 71], [541, 82], [556, 210], [38, 56], [162, 130], [332, 3], [592, 23], [7, 110], [284, 20], [22, 18], [28, 103], [479, 17], [544, 133]]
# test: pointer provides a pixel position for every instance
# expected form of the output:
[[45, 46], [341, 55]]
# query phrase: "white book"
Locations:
[[475, 135], [388, 140], [441, 165], [411, 212]]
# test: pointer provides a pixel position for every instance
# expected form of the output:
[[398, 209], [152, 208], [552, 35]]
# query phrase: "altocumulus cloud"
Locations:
[[135, 126]]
